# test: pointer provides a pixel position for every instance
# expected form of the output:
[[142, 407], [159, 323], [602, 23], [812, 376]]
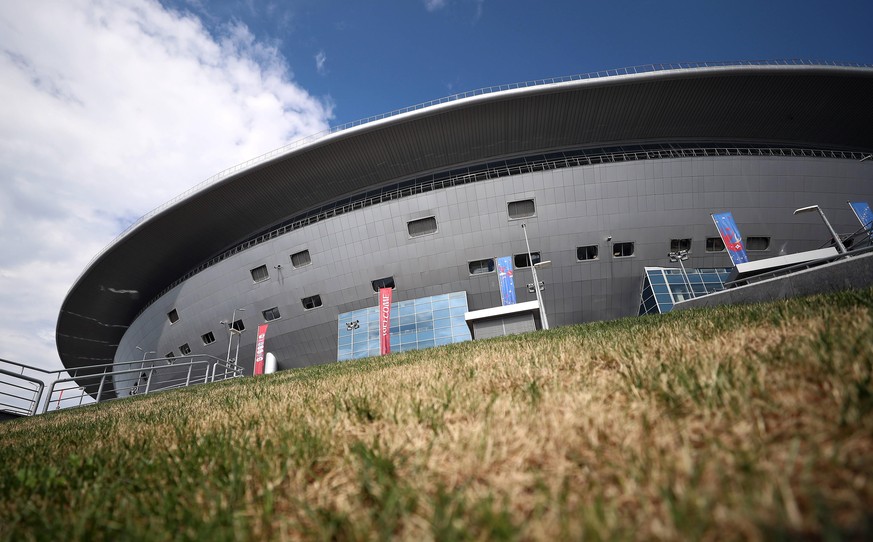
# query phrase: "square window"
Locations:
[[208, 338], [170, 356], [300, 259], [521, 209], [756, 244], [586, 253], [522, 260], [185, 349], [422, 226], [260, 274], [680, 244], [173, 316], [623, 250], [311, 302], [714, 244], [271, 314], [479, 267], [387, 282], [238, 325]]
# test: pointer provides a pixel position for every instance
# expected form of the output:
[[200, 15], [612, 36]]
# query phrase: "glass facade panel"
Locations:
[[664, 287], [417, 323]]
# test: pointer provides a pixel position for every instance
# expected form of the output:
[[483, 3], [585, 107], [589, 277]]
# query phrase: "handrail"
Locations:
[[35, 392], [45, 390], [308, 140], [796, 267]]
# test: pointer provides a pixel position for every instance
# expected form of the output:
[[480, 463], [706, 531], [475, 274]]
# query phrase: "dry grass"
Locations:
[[733, 423]]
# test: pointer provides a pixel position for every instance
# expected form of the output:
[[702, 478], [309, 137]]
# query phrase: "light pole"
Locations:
[[231, 331], [840, 246], [536, 282], [680, 256]]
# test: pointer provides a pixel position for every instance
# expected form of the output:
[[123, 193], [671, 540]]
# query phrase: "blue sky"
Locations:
[[384, 55], [110, 108]]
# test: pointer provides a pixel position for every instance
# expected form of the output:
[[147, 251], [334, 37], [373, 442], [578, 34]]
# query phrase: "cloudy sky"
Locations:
[[110, 108]]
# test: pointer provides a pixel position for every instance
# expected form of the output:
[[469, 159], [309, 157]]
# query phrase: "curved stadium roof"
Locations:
[[792, 104]]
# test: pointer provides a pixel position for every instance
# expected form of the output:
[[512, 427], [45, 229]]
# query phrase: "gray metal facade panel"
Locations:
[[811, 106], [345, 258]]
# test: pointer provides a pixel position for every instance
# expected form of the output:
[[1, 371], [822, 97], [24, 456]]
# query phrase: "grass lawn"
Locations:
[[730, 423]]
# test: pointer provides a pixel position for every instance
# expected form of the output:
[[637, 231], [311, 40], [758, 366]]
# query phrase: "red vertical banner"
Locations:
[[384, 321], [259, 349]]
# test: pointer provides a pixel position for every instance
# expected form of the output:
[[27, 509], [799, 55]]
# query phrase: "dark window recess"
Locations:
[[714, 244], [387, 282], [757, 243], [299, 259], [239, 326], [586, 253], [522, 208], [623, 250], [478, 267], [311, 302], [260, 274], [185, 349], [680, 244], [208, 338], [170, 355], [521, 260], [173, 316], [271, 314], [422, 226]]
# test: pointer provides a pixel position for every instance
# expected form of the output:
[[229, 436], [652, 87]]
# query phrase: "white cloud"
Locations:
[[320, 59], [433, 5], [108, 108]]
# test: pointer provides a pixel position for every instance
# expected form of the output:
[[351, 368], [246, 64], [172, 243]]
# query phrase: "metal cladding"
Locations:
[[812, 106]]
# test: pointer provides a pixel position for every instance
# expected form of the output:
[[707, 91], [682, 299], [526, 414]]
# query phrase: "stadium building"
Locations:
[[609, 172]]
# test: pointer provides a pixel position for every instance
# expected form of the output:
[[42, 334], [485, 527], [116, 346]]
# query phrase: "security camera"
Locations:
[[278, 266], [608, 238]]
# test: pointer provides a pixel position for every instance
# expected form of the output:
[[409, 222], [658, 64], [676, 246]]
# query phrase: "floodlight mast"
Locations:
[[680, 256], [536, 282], [840, 246], [231, 331]]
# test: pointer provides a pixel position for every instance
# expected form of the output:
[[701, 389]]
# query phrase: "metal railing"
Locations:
[[854, 252], [27, 390], [308, 140], [19, 394]]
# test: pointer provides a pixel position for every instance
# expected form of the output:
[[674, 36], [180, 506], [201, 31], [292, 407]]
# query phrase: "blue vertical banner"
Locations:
[[507, 283], [864, 214], [730, 234]]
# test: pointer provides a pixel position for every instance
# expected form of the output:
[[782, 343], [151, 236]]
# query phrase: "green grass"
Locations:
[[730, 423]]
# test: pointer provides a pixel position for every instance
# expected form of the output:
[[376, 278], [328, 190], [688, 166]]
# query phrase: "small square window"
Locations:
[[522, 260], [271, 314], [170, 355], [480, 267], [714, 244], [522, 208], [623, 250], [422, 226], [185, 349], [756, 244], [586, 253], [208, 338], [239, 326], [300, 259], [680, 244], [260, 274], [387, 282], [311, 302], [173, 316]]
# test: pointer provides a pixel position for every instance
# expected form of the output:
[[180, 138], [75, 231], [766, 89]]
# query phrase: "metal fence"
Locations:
[[26, 390]]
